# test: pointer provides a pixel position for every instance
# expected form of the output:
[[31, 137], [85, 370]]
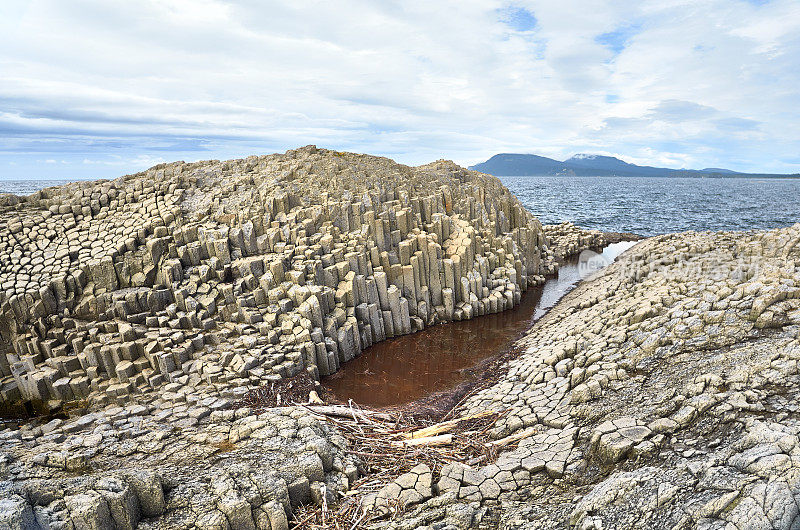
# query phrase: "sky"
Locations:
[[102, 88]]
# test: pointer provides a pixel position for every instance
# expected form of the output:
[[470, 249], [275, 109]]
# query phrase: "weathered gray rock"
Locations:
[[149, 491], [89, 511], [151, 268], [16, 514]]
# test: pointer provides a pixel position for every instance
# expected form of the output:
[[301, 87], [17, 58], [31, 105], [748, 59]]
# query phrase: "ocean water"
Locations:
[[26, 187], [643, 205], [650, 206]]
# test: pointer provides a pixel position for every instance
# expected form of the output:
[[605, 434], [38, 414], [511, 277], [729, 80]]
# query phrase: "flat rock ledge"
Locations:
[[236, 470]]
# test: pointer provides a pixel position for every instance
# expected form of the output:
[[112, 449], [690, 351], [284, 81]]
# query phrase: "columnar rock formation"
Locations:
[[217, 275], [152, 303], [134, 467], [567, 240], [662, 393]]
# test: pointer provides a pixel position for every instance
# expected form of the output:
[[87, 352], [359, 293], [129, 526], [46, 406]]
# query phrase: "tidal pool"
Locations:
[[407, 368]]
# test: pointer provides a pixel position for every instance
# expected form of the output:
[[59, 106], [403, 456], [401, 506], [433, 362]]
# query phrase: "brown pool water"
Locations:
[[407, 368], [12, 416]]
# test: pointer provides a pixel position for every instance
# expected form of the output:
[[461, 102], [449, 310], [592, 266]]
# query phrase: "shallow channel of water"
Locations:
[[407, 368]]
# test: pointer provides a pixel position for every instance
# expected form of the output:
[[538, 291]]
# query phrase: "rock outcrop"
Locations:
[[231, 274], [131, 468], [150, 305], [661, 393]]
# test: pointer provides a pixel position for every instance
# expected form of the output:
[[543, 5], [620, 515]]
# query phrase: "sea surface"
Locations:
[[643, 205], [26, 187], [650, 206]]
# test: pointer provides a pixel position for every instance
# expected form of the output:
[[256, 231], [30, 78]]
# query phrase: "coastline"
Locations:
[[659, 392]]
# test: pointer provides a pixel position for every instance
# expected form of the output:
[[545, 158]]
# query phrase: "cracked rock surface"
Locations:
[[234, 470], [661, 393]]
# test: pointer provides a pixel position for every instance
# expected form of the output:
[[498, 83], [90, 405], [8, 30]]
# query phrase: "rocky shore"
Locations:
[[658, 394], [661, 393], [150, 305]]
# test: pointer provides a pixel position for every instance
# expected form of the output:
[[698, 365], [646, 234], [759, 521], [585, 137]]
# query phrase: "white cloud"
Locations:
[[124, 85]]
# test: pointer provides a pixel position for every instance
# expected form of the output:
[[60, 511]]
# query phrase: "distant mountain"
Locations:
[[720, 170], [520, 165], [598, 162], [587, 165]]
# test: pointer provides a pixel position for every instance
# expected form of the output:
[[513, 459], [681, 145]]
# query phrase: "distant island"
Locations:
[[584, 165]]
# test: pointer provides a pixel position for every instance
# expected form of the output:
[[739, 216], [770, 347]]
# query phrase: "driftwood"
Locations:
[[388, 444], [517, 436], [444, 426], [444, 439], [341, 411]]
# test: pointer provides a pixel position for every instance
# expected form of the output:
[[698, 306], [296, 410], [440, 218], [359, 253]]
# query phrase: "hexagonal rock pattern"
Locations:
[[614, 439], [219, 274], [118, 500], [408, 489], [234, 469], [662, 393], [153, 302]]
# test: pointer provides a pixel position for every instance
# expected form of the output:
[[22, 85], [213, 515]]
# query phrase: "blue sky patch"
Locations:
[[618, 39], [518, 18]]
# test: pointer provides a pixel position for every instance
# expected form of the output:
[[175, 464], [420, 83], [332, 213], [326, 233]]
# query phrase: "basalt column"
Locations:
[[238, 273]]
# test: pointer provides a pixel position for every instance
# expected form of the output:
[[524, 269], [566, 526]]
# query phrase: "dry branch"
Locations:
[[517, 436], [443, 439], [444, 426], [348, 412], [389, 444]]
